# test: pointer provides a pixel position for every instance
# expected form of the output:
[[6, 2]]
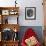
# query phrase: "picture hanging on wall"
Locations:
[[30, 13]]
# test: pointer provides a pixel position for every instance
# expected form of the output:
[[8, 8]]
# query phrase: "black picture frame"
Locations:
[[30, 13]]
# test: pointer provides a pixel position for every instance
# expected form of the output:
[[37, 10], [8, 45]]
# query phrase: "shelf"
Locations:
[[9, 10], [9, 19], [2, 8], [5, 12], [10, 26], [11, 41]]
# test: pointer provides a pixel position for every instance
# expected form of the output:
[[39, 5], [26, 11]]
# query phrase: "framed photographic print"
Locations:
[[5, 12], [30, 13]]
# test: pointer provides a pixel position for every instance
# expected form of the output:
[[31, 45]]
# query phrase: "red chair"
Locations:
[[29, 33]]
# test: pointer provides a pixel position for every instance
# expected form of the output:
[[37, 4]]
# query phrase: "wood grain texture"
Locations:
[[11, 26], [9, 43]]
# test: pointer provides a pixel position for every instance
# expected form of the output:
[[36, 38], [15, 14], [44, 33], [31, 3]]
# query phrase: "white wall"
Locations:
[[7, 3], [27, 3], [39, 13]]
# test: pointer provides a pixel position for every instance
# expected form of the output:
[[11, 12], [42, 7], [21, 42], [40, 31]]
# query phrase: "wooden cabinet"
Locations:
[[7, 26], [10, 43], [6, 12]]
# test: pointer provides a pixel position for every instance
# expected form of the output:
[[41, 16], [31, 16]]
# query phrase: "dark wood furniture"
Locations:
[[10, 43], [8, 11], [4, 13]]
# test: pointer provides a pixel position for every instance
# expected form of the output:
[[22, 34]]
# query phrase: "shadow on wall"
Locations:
[[37, 29]]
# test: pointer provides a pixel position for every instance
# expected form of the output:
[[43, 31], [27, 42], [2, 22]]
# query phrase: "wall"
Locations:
[[39, 13], [27, 3]]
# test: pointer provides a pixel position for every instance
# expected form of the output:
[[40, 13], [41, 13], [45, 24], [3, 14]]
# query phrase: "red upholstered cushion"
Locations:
[[29, 33]]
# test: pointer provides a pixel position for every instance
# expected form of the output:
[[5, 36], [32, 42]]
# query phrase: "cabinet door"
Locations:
[[10, 44]]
